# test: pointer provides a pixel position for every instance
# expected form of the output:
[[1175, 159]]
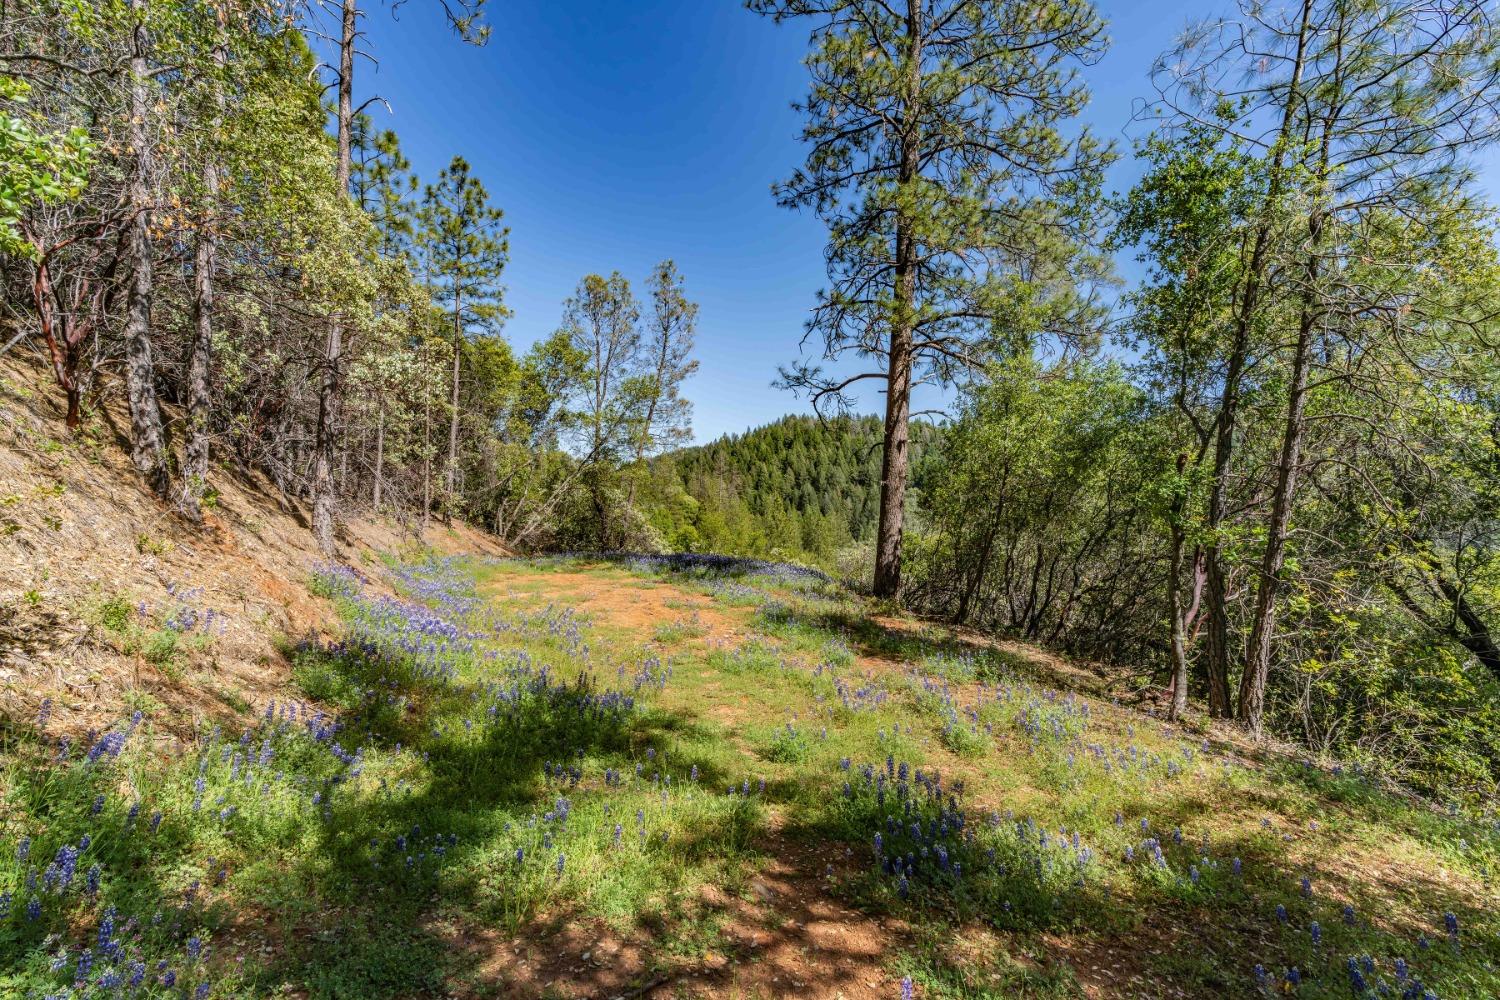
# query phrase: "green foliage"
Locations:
[[37, 167], [796, 489]]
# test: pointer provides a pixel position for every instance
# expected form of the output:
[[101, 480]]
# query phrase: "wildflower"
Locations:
[[1356, 979], [1281, 913], [1316, 929], [908, 991], [1306, 887], [560, 860], [1348, 914]]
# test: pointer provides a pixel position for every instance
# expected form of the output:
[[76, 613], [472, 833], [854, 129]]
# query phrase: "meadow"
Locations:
[[700, 776]]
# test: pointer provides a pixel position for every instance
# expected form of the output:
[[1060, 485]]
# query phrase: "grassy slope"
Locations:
[[556, 779]]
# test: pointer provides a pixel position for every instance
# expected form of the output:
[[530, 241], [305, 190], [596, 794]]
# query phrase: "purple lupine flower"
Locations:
[[908, 991], [561, 858], [1349, 914], [1306, 887], [1316, 930], [1281, 913], [1356, 979]]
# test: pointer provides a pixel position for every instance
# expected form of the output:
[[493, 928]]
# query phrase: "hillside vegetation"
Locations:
[[350, 648], [677, 777], [800, 488]]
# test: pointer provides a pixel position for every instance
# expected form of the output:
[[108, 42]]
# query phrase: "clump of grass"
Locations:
[[964, 738], [750, 657], [786, 745], [690, 626]]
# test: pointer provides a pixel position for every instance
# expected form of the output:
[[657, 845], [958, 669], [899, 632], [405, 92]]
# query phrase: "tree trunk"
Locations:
[[147, 437], [200, 361], [894, 459], [1174, 600], [1216, 612], [1263, 624], [426, 444], [458, 333], [324, 501], [379, 453]]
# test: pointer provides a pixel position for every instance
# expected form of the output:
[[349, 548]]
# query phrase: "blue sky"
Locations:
[[616, 133]]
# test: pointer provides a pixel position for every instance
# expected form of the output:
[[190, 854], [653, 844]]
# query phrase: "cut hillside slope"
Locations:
[[96, 575]]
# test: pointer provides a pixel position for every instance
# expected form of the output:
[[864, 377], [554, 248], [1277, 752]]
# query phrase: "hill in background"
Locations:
[[798, 488]]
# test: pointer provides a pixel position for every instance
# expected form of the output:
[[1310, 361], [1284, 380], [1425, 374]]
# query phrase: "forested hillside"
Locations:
[[371, 627], [800, 488]]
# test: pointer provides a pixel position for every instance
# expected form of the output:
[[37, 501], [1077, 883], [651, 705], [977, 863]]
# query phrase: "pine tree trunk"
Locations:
[[894, 458], [1263, 624], [458, 333], [1248, 306], [200, 362], [426, 445], [147, 437], [325, 502]]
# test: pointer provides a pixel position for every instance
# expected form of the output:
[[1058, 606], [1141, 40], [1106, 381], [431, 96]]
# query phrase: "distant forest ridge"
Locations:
[[798, 488]]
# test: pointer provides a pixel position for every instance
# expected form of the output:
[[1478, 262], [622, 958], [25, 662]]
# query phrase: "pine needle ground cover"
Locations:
[[506, 751]]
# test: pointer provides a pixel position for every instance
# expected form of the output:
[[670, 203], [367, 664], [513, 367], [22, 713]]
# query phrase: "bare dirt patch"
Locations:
[[635, 605]]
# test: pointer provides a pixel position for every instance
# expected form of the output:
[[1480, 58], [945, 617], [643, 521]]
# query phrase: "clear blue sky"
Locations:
[[616, 133]]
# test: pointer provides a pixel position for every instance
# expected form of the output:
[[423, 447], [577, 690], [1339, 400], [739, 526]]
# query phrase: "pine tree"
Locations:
[[465, 250], [938, 163]]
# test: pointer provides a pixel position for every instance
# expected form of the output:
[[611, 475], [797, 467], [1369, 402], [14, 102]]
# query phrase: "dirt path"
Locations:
[[784, 936]]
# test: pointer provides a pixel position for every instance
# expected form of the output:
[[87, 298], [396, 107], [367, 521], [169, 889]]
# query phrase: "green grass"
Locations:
[[480, 758]]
